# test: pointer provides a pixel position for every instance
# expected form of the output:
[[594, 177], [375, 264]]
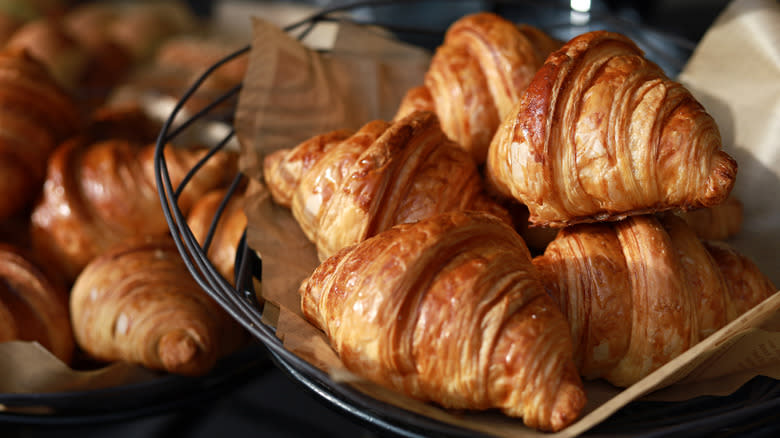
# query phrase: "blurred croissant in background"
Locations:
[[100, 188], [137, 302], [221, 250], [33, 306], [35, 115], [718, 222]]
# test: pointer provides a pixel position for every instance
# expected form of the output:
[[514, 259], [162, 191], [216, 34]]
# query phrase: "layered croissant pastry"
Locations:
[[222, 244], [344, 187], [602, 133], [137, 302], [101, 189], [639, 292], [450, 309], [35, 115], [477, 75], [719, 222], [33, 306]]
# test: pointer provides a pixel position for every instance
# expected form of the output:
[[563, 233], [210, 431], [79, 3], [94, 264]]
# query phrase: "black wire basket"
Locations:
[[753, 404]]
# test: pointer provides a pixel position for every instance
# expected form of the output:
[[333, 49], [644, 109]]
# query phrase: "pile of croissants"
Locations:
[[87, 266], [538, 212]]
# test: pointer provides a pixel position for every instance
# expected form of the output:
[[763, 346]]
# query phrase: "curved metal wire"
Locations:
[[239, 301]]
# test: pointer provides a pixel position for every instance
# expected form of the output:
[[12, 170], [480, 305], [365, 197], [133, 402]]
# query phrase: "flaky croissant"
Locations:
[[450, 309], [641, 291], [477, 75], [137, 302], [33, 307], [101, 189], [602, 133], [344, 187], [35, 115], [230, 226]]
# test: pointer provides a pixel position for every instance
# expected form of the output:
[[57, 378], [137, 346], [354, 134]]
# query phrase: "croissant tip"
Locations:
[[181, 353], [721, 180], [568, 406]]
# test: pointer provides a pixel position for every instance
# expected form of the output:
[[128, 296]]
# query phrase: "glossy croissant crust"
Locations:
[[450, 309], [602, 133], [33, 307], [344, 187], [641, 291], [137, 302], [228, 228], [477, 75]]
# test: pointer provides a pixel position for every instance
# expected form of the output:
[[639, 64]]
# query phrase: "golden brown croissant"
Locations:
[[35, 114], [109, 62], [137, 302], [718, 222], [602, 133], [477, 75], [48, 41], [346, 187], [177, 64], [140, 28], [33, 307], [230, 227], [450, 309], [639, 292], [101, 188]]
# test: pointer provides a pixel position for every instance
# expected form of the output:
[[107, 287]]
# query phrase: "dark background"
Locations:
[[262, 400]]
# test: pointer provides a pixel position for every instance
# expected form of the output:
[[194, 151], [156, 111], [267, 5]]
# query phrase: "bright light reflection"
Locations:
[[580, 5]]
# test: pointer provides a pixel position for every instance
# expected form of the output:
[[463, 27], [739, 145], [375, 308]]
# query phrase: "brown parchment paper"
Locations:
[[292, 92], [27, 367], [747, 347]]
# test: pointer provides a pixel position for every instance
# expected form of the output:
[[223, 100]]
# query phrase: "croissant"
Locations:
[[35, 114], [33, 307], [641, 291], [345, 187], [137, 302], [228, 231], [477, 75], [141, 27], [602, 133], [718, 222], [48, 41], [101, 189], [451, 310], [109, 63]]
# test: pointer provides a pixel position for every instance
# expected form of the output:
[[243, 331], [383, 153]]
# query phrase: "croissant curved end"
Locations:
[[181, 353], [721, 179], [570, 402]]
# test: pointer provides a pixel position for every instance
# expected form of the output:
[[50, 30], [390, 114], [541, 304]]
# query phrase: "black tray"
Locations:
[[752, 409]]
